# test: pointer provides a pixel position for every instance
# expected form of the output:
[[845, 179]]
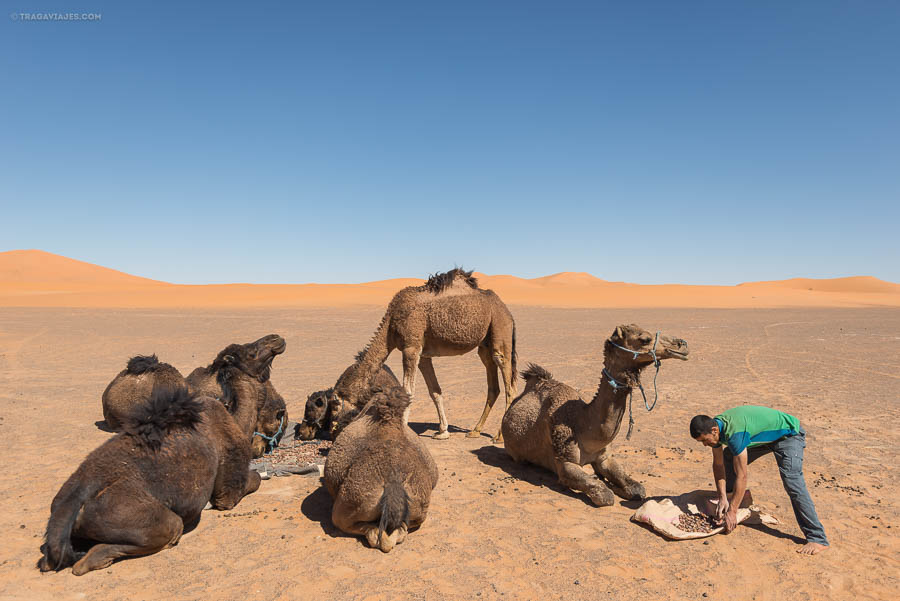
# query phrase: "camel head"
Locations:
[[631, 346], [253, 358], [270, 423], [316, 414]]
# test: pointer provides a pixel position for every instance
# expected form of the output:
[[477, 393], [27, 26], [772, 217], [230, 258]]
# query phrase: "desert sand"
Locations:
[[495, 530]]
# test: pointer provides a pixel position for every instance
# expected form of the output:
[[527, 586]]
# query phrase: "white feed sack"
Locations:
[[663, 515]]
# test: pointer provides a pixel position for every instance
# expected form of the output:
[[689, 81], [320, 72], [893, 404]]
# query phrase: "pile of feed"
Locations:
[[299, 453], [696, 522]]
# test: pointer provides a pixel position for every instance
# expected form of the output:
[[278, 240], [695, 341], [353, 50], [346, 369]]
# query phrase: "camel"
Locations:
[[138, 491], [325, 415], [270, 423], [380, 473], [131, 388], [552, 426], [238, 377], [449, 315]]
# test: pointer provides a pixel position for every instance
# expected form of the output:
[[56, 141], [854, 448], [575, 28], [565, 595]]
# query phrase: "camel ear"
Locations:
[[619, 334], [229, 359]]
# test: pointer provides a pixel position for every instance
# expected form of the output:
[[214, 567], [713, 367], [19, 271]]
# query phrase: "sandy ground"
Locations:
[[496, 530]]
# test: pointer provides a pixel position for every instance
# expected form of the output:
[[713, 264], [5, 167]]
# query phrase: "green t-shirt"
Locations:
[[752, 426]]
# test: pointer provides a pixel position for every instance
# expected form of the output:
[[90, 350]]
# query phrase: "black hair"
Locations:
[[702, 424]]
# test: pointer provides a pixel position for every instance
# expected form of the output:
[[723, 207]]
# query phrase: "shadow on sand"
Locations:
[[495, 456], [429, 428]]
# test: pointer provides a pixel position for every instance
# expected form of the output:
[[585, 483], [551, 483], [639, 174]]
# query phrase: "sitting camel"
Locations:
[[325, 415], [449, 315], [380, 474], [270, 423], [551, 425], [137, 492], [130, 390], [238, 378]]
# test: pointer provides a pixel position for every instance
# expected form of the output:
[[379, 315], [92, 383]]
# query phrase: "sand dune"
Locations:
[[33, 278]]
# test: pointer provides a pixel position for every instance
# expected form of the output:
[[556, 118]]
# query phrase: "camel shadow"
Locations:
[[103, 427], [495, 456], [317, 508], [421, 428]]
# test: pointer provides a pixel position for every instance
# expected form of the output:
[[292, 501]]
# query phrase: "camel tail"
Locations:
[[394, 506], [536, 372], [140, 364], [515, 356], [57, 548], [171, 407]]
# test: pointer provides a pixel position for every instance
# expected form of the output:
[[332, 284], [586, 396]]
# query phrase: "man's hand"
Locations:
[[721, 508], [730, 520]]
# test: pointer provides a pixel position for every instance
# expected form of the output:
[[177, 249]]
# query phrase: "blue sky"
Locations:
[[288, 142]]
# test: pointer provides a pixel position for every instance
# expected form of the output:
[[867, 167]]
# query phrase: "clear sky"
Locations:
[[286, 142]]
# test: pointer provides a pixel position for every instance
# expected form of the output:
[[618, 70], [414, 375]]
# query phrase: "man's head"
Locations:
[[706, 430]]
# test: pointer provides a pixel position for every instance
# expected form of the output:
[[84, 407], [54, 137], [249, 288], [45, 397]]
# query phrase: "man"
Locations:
[[748, 433]]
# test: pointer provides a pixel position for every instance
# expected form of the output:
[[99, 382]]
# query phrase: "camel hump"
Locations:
[[536, 372], [140, 364], [390, 403], [171, 407], [439, 282]]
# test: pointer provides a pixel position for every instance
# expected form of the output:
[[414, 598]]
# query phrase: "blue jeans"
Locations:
[[789, 456]]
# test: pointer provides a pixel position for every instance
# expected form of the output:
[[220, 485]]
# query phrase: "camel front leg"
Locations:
[[434, 389], [410, 360], [571, 475], [493, 384], [610, 469]]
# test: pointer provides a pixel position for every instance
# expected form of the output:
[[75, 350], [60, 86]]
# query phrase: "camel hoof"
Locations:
[[497, 439], [372, 537], [441, 435], [473, 433]]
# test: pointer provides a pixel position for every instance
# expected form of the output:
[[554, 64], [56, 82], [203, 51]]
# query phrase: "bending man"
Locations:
[[747, 434]]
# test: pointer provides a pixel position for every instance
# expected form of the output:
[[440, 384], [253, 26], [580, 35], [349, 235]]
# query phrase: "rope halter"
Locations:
[[272, 441], [619, 385]]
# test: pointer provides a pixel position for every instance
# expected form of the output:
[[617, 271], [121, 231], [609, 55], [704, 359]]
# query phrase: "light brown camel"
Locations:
[[449, 315], [325, 415], [136, 493], [238, 377], [130, 389], [551, 425], [380, 473]]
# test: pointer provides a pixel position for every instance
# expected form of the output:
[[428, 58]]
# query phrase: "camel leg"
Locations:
[[354, 520], [610, 469], [509, 386], [434, 389], [234, 480], [493, 384], [571, 475], [410, 361], [126, 525]]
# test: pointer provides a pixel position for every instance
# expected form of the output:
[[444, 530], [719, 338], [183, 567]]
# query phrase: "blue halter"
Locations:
[[271, 441]]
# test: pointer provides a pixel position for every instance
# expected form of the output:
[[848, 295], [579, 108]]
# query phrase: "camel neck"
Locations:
[[244, 397], [609, 403]]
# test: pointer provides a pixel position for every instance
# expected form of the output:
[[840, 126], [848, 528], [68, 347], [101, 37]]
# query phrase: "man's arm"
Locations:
[[740, 487], [719, 478]]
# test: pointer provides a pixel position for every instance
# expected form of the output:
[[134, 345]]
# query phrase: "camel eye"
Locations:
[[645, 339], [279, 415], [319, 403]]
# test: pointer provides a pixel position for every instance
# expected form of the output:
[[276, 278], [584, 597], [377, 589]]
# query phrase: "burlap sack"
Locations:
[[662, 514]]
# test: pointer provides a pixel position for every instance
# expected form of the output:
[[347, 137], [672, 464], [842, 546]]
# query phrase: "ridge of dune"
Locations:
[[40, 267], [40, 279]]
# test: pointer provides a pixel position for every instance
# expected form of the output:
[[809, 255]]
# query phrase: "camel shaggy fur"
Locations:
[[449, 315], [137, 492], [238, 377], [130, 390], [551, 425], [325, 415], [380, 474]]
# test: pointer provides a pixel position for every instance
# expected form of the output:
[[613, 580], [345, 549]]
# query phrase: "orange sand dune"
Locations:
[[32, 278]]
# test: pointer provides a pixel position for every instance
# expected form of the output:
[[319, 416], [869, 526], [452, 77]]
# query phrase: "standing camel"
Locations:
[[449, 315], [552, 426]]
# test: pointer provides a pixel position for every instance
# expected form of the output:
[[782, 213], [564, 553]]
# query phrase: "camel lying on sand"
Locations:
[[238, 378], [551, 425], [130, 389], [325, 415], [137, 492], [449, 315], [380, 474]]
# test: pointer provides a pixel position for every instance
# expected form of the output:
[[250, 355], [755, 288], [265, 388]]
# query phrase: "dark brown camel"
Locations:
[[137, 492], [551, 425], [325, 414], [130, 390], [449, 315], [380, 473], [238, 377]]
